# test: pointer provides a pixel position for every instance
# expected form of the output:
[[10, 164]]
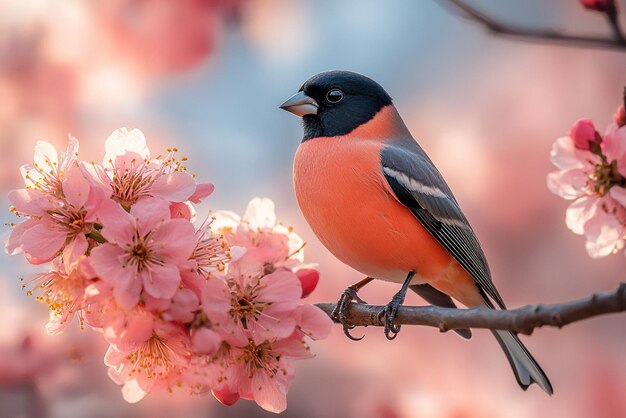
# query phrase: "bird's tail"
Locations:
[[525, 367]]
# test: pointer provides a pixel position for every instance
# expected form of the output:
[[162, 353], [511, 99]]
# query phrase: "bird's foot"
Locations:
[[389, 312], [388, 315], [339, 314]]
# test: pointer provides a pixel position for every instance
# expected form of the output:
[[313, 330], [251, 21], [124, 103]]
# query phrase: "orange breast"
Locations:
[[340, 188], [343, 195]]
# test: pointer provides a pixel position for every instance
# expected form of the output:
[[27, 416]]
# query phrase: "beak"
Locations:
[[300, 104]]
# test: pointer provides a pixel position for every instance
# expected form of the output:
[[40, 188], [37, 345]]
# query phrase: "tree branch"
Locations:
[[544, 35], [523, 320]]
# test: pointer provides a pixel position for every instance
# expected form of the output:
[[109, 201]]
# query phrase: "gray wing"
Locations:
[[419, 186]]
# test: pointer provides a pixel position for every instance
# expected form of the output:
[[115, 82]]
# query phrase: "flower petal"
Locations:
[[45, 155], [569, 184], [175, 240], [580, 212], [205, 341], [117, 225], [75, 187], [106, 262], [122, 141], [260, 213], [280, 286], [13, 244], [203, 190], [150, 212], [42, 243], [604, 233], [176, 186], [563, 154], [618, 193], [76, 248], [31, 202], [614, 147], [161, 281], [314, 322], [269, 393], [132, 392]]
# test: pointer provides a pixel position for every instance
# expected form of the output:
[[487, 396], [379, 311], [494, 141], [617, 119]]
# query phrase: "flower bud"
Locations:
[[583, 132], [620, 116], [598, 5], [308, 279]]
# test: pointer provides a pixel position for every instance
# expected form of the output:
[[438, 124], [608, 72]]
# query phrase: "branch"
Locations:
[[542, 35], [523, 320]]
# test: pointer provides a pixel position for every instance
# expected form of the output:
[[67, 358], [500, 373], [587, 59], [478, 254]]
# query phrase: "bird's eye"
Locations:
[[334, 96]]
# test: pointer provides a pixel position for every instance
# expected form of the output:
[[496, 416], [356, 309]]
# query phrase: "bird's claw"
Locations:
[[339, 313], [388, 315]]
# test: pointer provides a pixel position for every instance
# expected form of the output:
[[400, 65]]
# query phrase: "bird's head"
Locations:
[[334, 103]]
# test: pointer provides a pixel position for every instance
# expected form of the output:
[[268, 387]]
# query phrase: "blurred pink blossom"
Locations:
[[599, 5]]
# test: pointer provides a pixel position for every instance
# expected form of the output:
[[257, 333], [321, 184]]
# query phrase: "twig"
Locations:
[[523, 320], [545, 35]]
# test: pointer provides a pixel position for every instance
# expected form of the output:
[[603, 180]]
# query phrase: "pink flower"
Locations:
[[50, 168], [153, 362], [261, 308], [598, 5], [594, 178], [268, 245], [262, 371], [143, 250], [57, 222], [210, 254], [128, 173], [64, 290]]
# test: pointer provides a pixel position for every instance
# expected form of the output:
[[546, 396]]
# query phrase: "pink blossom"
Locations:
[[56, 223], [261, 307], [308, 280], [268, 245], [29, 360], [598, 5], [151, 363], [64, 290], [210, 254], [143, 250], [50, 168], [594, 178], [262, 371], [128, 173]]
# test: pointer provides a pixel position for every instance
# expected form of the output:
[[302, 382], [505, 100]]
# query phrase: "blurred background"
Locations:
[[207, 76]]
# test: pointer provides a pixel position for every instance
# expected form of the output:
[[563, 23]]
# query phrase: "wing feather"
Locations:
[[419, 186]]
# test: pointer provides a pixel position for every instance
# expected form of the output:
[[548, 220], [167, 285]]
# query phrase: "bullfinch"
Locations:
[[378, 203]]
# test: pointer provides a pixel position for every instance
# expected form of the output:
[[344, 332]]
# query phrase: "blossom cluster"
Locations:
[[212, 306], [592, 173]]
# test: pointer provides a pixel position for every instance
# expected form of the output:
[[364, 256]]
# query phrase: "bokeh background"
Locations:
[[207, 76]]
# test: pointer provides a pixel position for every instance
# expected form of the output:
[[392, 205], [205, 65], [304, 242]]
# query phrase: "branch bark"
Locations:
[[522, 320], [618, 41]]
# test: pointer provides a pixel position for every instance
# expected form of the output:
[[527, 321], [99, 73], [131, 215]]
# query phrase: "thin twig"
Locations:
[[544, 35], [523, 320]]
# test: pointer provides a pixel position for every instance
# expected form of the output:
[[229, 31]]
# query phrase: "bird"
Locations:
[[376, 201]]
